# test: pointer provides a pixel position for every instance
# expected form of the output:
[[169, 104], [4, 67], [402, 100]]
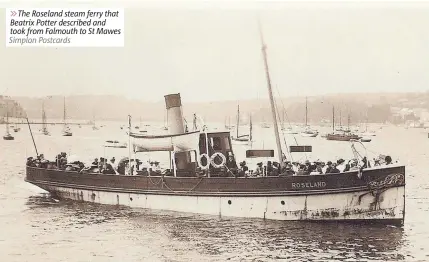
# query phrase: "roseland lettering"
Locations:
[[309, 185]]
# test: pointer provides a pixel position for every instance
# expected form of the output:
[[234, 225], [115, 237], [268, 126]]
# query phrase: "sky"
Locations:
[[211, 52]]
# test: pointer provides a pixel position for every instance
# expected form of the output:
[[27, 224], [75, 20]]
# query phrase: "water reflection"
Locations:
[[236, 239]]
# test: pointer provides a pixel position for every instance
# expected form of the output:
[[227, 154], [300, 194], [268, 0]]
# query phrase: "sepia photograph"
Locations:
[[214, 131]]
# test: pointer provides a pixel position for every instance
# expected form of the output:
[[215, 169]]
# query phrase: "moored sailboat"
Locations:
[[94, 127], [202, 178], [44, 129], [247, 138], [308, 131], [66, 128], [7, 135], [228, 125], [165, 127], [345, 135]]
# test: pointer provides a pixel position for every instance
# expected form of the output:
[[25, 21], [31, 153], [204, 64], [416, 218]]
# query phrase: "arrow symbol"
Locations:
[[13, 13]]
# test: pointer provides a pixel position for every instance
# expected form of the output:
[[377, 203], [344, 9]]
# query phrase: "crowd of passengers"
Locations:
[[99, 165], [307, 167], [105, 166]]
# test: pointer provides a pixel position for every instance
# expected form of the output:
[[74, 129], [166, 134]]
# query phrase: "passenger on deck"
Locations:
[[113, 165], [101, 163], [377, 162], [269, 168], [276, 169], [289, 169], [156, 167], [95, 162], [44, 163], [318, 170], [29, 161], [334, 169], [388, 160], [306, 165], [121, 168], [353, 165], [231, 163], [243, 169], [328, 167], [259, 169], [366, 163], [341, 165], [303, 170], [57, 160], [347, 167], [109, 170]]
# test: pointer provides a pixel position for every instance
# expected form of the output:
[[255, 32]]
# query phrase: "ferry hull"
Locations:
[[312, 198], [352, 206]]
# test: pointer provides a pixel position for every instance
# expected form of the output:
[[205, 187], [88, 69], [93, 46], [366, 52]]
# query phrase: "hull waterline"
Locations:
[[332, 207]]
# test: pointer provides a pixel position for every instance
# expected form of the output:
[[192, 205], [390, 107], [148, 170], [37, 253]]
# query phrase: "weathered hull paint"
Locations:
[[386, 206]]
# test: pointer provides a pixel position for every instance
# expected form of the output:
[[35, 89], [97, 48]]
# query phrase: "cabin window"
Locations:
[[202, 143], [226, 143], [193, 158], [216, 143]]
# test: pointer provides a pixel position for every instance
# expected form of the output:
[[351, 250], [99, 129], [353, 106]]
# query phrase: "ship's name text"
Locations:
[[309, 185]]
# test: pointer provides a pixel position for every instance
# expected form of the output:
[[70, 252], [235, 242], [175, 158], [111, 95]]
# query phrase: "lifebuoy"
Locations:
[[218, 154], [208, 162]]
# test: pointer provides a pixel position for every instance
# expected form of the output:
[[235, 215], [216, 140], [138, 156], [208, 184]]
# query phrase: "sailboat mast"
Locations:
[[333, 119], [250, 127], [366, 124], [43, 116], [348, 122], [270, 93], [64, 111], [7, 118], [93, 117], [238, 118], [306, 112]]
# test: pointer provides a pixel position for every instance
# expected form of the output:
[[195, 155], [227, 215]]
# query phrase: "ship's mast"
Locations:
[[348, 122], [270, 93], [64, 111], [43, 117], [333, 119], [7, 118], [238, 118], [250, 128], [306, 112]]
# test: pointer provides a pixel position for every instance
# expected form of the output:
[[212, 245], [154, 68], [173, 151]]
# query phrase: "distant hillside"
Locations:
[[376, 106], [10, 106]]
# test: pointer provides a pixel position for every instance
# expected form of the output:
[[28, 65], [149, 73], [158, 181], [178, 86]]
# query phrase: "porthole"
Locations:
[[229, 202], [283, 202], [131, 199]]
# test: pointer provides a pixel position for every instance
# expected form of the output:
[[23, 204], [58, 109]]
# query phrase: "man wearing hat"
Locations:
[[328, 167]]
